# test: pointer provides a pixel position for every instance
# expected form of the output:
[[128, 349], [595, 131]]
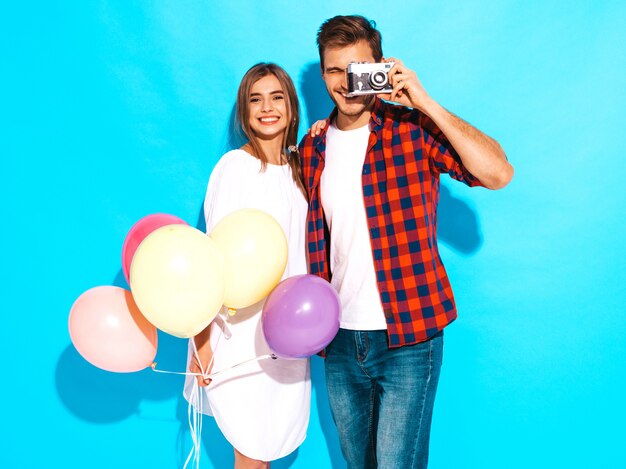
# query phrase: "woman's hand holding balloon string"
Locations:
[[202, 358]]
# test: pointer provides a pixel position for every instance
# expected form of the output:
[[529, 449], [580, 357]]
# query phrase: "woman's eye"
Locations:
[[278, 96], [255, 100]]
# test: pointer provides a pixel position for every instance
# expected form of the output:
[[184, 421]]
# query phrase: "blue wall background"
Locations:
[[112, 110]]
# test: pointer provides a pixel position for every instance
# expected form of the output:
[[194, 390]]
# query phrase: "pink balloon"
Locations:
[[108, 330], [139, 232]]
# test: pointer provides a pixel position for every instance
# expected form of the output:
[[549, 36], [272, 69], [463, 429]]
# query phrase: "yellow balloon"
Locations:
[[255, 255], [177, 279]]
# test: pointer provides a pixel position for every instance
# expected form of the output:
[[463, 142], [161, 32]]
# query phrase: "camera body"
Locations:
[[368, 78]]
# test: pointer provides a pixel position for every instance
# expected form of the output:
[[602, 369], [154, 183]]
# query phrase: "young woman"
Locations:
[[261, 407]]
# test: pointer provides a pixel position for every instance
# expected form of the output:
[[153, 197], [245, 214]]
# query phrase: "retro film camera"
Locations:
[[369, 78]]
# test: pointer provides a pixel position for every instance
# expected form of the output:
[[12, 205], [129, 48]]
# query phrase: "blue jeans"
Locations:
[[382, 399]]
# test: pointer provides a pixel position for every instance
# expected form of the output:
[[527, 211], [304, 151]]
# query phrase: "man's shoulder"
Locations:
[[401, 114], [306, 141], [307, 145]]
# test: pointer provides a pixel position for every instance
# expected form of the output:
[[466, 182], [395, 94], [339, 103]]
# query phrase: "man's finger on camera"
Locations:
[[399, 78], [396, 94], [400, 84], [400, 72], [398, 66]]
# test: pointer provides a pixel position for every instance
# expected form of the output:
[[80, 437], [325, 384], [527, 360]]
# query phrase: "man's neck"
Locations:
[[345, 122]]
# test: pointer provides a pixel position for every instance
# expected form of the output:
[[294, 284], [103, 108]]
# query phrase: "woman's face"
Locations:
[[267, 108]]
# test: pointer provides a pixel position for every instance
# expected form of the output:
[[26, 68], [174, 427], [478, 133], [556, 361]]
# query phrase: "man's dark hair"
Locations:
[[341, 31]]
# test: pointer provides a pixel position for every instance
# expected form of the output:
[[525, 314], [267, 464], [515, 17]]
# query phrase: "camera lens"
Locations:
[[378, 79]]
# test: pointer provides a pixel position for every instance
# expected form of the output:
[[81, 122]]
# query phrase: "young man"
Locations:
[[372, 175]]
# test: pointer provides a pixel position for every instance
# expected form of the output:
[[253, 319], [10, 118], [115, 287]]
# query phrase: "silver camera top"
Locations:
[[368, 78]]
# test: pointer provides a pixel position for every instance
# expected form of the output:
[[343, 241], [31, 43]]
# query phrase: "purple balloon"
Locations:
[[301, 316]]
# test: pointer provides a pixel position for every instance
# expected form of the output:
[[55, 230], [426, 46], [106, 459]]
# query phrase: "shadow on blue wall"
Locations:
[[236, 137], [313, 91], [100, 396], [457, 224]]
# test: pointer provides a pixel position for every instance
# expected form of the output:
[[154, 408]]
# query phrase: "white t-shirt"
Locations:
[[351, 262]]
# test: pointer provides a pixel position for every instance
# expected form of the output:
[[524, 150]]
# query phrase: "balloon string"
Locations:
[[210, 375], [224, 325], [194, 417], [194, 408], [224, 331], [195, 352]]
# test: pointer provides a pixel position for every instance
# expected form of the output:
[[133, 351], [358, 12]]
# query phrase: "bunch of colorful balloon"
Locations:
[[180, 278]]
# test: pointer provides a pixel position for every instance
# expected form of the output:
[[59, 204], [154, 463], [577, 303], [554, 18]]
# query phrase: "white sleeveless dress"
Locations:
[[261, 407]]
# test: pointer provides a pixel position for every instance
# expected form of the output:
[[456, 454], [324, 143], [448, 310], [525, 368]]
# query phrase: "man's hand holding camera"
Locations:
[[481, 155], [407, 89], [390, 80]]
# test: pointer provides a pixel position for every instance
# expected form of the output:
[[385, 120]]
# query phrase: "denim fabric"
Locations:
[[382, 399]]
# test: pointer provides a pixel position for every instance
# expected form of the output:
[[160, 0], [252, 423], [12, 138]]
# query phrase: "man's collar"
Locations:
[[376, 122], [376, 116]]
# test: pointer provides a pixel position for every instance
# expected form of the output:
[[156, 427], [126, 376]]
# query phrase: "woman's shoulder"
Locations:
[[234, 167], [236, 159], [235, 156]]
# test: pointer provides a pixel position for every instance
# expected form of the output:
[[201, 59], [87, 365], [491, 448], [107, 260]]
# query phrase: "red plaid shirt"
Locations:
[[406, 153]]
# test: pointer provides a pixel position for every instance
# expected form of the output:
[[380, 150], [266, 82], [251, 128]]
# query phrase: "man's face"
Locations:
[[336, 62]]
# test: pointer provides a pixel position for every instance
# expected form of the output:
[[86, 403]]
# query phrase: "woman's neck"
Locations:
[[273, 150]]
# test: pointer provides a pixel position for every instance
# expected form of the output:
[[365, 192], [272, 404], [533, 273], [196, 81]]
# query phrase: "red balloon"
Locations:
[[139, 232]]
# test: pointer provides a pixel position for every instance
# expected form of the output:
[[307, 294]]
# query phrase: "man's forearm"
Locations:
[[480, 154]]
